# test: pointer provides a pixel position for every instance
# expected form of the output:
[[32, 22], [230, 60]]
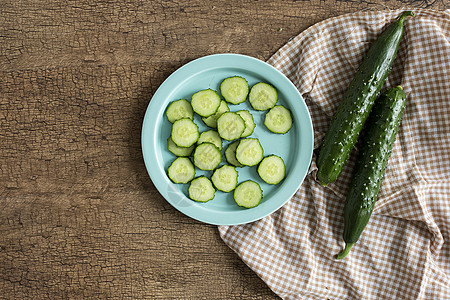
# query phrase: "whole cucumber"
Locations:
[[376, 145], [357, 102]]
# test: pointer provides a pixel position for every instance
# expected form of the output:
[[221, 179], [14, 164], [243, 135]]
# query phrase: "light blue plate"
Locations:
[[295, 147]]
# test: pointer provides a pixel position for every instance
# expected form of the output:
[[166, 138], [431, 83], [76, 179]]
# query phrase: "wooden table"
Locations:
[[79, 216]]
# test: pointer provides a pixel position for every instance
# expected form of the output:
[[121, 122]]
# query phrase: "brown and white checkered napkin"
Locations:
[[404, 252]]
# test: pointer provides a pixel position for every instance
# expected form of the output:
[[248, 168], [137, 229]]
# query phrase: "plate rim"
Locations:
[[244, 216]]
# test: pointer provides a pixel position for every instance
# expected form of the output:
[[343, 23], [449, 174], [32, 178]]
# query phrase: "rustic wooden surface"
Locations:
[[79, 215]]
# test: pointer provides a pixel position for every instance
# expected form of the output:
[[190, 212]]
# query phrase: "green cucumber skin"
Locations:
[[357, 102], [376, 145]]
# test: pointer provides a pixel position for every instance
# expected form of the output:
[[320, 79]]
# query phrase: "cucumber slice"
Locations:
[[201, 189], [205, 102], [207, 157], [184, 133], [230, 154], [181, 170], [234, 89], [278, 119], [179, 151], [248, 194], [272, 169], [249, 152], [180, 109], [225, 178], [263, 96], [210, 136], [249, 122], [230, 126], [211, 121]]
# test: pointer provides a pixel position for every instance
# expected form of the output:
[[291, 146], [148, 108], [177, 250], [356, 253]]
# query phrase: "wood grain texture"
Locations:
[[80, 217]]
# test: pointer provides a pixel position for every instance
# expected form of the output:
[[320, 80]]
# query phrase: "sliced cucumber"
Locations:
[[249, 152], [234, 89], [272, 169], [207, 157], [205, 102], [179, 151], [184, 133], [230, 126], [211, 121], [201, 189], [181, 170], [180, 109], [248, 194], [230, 154], [263, 96], [249, 122], [225, 178], [210, 136], [278, 119]]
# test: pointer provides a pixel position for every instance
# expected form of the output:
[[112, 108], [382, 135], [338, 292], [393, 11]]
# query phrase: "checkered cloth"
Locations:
[[404, 252]]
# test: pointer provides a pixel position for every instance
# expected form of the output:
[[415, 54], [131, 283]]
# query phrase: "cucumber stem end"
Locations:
[[344, 252], [406, 14]]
